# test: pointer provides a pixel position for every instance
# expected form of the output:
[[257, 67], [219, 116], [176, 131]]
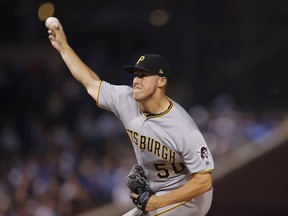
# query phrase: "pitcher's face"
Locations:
[[144, 85]]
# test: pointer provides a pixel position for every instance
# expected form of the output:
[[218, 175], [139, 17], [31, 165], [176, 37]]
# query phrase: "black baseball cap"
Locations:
[[152, 63]]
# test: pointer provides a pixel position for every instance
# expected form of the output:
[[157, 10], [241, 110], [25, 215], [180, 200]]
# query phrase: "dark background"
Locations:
[[214, 47]]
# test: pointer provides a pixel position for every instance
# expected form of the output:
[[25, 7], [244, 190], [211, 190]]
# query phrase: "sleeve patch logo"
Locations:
[[203, 153]]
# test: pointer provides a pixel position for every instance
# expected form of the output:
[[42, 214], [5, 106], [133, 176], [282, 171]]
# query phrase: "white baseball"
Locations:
[[52, 22]]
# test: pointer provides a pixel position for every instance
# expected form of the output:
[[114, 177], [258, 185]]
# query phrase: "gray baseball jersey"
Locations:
[[169, 145]]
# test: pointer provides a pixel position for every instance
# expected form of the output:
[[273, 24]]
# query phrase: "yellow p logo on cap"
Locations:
[[140, 59]]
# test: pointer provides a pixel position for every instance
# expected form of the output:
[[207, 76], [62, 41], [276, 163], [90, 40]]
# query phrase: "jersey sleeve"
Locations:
[[114, 98], [196, 153], [106, 97]]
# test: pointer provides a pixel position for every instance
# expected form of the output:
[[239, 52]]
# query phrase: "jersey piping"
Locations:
[[206, 171], [98, 94], [160, 114], [170, 209]]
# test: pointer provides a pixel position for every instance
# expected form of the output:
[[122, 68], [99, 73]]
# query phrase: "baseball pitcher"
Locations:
[[173, 174]]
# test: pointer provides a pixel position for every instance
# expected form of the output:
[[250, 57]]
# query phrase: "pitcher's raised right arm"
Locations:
[[77, 67]]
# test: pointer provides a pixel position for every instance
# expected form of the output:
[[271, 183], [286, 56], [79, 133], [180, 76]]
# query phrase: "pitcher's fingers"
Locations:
[[51, 37], [133, 195]]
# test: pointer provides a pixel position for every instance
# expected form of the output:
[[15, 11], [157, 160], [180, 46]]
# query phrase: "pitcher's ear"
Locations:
[[162, 81]]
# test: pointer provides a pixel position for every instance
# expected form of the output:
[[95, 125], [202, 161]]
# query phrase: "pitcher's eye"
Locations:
[[140, 75]]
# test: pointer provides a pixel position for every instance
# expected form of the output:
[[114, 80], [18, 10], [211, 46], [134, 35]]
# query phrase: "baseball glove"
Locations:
[[138, 183]]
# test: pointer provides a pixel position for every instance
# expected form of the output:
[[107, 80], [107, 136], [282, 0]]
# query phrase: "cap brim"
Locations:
[[131, 69]]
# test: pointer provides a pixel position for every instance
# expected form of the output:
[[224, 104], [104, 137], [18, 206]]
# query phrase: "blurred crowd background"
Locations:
[[61, 155]]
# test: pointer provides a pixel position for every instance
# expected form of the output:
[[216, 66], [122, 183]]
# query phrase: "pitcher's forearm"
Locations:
[[77, 67], [199, 184]]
